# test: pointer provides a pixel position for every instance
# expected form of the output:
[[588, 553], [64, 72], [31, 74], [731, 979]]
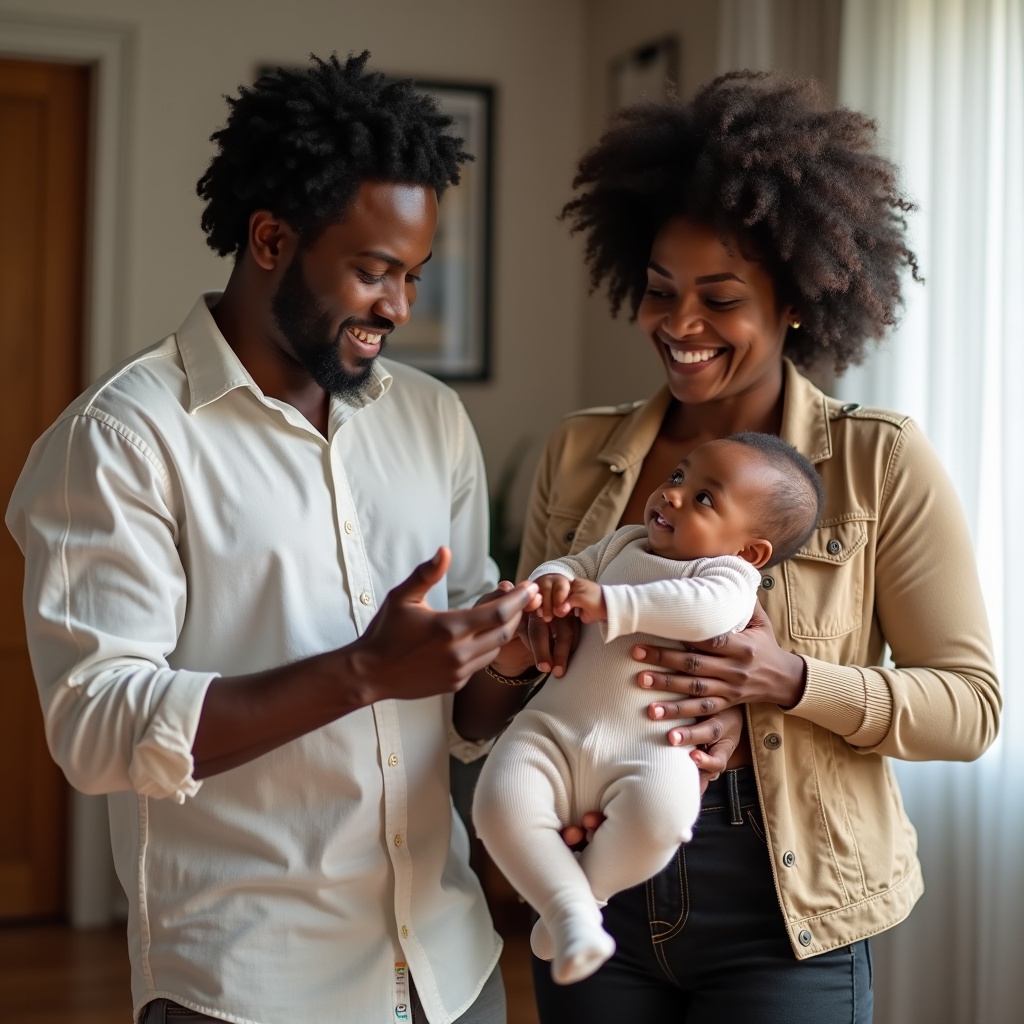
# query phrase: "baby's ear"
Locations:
[[757, 552]]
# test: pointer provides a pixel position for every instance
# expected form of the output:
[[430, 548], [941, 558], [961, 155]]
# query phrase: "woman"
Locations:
[[754, 234]]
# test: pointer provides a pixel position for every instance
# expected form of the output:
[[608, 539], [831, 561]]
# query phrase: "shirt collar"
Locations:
[[213, 369]]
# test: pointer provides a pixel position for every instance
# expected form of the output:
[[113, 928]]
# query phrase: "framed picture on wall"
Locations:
[[449, 333], [648, 72]]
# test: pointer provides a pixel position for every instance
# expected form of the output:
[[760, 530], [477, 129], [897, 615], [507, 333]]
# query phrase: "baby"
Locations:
[[586, 742]]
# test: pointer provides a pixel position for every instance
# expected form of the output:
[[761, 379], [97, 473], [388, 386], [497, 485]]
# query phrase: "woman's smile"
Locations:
[[692, 360]]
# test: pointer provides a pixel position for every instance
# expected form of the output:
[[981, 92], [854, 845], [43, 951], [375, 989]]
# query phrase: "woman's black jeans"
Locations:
[[703, 941]]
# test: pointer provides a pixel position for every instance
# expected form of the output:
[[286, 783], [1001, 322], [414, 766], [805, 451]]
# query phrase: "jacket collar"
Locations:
[[213, 369], [633, 437], [805, 416], [805, 423]]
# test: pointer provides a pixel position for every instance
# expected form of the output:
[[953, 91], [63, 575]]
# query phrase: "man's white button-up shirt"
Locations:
[[177, 525]]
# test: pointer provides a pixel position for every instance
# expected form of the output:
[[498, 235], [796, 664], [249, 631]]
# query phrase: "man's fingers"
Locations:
[[426, 575], [503, 587], [494, 612]]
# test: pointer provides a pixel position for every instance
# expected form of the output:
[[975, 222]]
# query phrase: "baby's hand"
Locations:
[[587, 598], [554, 590]]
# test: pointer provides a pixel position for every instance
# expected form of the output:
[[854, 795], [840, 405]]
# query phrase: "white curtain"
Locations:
[[945, 80], [798, 36]]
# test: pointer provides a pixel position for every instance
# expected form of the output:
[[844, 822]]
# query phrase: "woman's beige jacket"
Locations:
[[891, 565]]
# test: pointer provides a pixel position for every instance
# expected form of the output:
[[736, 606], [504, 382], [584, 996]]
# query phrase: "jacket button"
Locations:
[[834, 546], [804, 938], [789, 858], [569, 536], [850, 407], [773, 741], [767, 582]]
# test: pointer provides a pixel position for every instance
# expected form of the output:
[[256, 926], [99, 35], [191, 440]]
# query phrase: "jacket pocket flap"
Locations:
[[836, 543]]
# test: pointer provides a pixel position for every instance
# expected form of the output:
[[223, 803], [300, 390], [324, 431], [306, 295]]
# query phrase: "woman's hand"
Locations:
[[714, 739], [738, 668], [552, 642]]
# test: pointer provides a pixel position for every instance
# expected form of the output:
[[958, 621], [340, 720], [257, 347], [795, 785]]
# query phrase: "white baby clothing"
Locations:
[[585, 742]]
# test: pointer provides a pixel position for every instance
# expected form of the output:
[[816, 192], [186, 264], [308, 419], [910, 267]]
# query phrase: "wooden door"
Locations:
[[44, 110]]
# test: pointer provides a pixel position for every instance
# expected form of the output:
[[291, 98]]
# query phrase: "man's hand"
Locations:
[[586, 598], [410, 650]]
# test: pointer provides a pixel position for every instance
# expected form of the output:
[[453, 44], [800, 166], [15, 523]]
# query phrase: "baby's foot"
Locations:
[[540, 941], [582, 957], [573, 937]]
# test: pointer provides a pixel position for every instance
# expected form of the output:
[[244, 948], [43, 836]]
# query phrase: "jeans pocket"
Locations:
[[668, 898]]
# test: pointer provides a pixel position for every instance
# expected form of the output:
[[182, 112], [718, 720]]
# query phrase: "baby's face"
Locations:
[[704, 508]]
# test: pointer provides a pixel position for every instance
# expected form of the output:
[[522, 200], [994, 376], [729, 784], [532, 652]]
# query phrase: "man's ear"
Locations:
[[270, 239], [757, 552]]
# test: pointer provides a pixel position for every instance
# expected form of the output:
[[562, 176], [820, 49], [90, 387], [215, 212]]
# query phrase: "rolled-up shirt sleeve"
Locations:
[[104, 602]]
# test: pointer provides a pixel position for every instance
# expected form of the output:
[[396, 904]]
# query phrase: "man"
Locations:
[[224, 629]]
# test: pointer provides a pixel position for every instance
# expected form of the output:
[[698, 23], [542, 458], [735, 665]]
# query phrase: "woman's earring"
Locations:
[[795, 324]]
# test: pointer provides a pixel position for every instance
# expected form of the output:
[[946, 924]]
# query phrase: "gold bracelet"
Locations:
[[506, 681]]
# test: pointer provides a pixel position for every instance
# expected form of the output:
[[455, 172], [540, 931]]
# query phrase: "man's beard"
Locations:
[[307, 328]]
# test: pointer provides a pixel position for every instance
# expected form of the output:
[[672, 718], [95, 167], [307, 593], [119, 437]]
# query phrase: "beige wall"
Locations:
[[188, 53]]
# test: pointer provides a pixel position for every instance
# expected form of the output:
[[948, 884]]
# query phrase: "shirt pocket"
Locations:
[[825, 581]]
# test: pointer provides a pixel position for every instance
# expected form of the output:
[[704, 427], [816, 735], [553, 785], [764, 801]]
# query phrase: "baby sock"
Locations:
[[574, 938]]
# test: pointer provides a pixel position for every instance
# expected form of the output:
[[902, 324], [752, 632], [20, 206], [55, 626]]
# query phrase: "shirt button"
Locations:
[[614, 468], [393, 760], [348, 526], [789, 858], [399, 840], [804, 938], [767, 582], [405, 931], [364, 597], [848, 408], [834, 546], [569, 536], [773, 741]]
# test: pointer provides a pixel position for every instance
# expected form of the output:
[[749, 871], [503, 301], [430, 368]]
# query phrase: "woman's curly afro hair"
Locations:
[[795, 185], [300, 142]]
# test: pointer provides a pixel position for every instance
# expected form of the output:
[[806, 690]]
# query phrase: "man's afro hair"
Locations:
[[299, 142]]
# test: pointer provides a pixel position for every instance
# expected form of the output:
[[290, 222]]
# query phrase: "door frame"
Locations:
[[108, 48]]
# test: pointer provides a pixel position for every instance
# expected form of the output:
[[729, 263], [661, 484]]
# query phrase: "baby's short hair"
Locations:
[[790, 513]]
